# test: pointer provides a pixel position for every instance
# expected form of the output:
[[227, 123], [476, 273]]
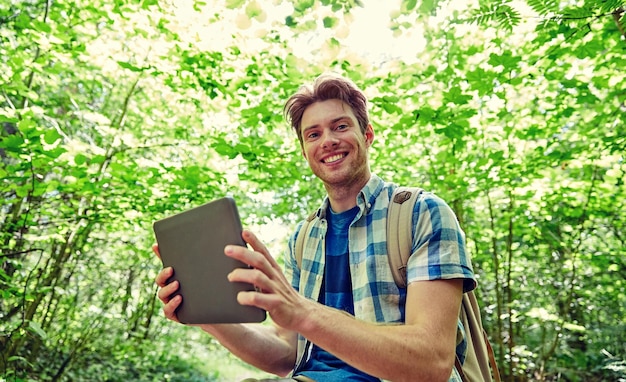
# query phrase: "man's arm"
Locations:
[[267, 347], [422, 349]]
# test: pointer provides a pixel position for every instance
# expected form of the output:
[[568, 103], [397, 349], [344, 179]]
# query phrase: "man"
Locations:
[[340, 316]]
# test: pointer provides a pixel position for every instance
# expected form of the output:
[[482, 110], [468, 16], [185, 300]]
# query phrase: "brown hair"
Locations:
[[326, 87]]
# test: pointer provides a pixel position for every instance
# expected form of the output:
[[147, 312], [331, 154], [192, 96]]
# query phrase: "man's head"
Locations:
[[326, 87], [332, 124]]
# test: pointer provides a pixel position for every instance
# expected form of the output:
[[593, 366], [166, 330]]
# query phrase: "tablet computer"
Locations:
[[192, 242]]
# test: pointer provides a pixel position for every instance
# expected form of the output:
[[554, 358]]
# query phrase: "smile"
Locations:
[[333, 158]]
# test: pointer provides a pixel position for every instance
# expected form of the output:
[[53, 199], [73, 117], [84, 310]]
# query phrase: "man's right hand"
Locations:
[[166, 290]]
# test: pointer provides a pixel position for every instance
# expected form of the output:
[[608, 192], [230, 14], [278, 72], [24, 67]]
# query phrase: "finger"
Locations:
[[163, 276], [254, 241], [253, 259], [253, 277], [258, 246], [165, 294], [169, 309], [155, 249]]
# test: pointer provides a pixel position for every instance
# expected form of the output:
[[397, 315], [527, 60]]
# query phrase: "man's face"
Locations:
[[334, 145]]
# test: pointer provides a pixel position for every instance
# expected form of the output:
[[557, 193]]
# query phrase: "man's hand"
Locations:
[[274, 293], [170, 304]]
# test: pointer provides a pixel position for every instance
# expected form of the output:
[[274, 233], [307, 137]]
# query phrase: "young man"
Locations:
[[340, 316]]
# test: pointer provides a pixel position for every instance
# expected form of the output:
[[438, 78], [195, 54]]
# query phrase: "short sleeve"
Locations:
[[438, 251]]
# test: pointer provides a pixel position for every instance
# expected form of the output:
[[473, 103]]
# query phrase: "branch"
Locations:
[[13, 254], [119, 122], [31, 76], [617, 15]]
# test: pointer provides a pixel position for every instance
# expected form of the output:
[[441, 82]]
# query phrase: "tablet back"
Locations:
[[192, 242]]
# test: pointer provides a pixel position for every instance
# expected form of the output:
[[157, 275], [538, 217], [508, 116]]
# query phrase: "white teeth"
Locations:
[[334, 158]]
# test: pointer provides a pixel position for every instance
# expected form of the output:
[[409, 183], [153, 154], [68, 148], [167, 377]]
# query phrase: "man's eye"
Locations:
[[342, 127], [312, 135]]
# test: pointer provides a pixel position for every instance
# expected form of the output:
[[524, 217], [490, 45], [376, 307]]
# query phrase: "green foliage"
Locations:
[[503, 15], [115, 114], [544, 7]]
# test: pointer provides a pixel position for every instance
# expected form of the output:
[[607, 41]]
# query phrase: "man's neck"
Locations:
[[343, 198]]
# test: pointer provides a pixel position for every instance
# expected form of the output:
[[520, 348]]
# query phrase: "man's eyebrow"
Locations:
[[341, 118], [309, 128], [332, 121]]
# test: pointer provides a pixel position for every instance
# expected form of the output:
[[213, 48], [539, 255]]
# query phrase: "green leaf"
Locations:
[[329, 22], [8, 116], [51, 136], [197, 6], [225, 149], [80, 159], [505, 59], [55, 152], [302, 5], [146, 4], [453, 131], [408, 5], [35, 328], [544, 7], [253, 9], [130, 67], [428, 7], [233, 4], [41, 26], [97, 159], [27, 126], [290, 21], [480, 80], [455, 95], [425, 114], [12, 142], [242, 148]]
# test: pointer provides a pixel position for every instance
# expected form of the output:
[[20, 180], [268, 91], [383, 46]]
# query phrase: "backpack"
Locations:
[[480, 355]]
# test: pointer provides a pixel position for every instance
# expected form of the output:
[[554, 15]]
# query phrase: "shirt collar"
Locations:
[[365, 199]]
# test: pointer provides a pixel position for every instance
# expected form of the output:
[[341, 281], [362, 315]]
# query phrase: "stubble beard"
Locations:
[[350, 176]]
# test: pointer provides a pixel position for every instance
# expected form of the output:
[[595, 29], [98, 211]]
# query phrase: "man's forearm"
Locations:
[[421, 350], [390, 352], [266, 347]]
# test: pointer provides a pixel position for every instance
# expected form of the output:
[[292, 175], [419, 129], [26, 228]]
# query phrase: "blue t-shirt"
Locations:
[[336, 293]]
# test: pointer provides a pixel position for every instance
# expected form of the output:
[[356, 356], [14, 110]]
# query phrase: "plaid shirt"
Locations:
[[438, 252]]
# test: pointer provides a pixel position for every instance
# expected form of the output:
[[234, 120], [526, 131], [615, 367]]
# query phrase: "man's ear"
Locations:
[[369, 135]]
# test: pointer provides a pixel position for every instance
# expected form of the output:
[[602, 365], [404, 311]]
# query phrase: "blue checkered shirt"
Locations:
[[438, 252]]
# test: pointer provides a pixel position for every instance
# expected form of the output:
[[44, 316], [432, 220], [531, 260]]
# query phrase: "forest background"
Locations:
[[115, 113]]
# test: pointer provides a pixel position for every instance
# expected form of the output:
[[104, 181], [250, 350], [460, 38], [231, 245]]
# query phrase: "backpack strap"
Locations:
[[400, 231], [299, 250], [302, 235], [492, 358]]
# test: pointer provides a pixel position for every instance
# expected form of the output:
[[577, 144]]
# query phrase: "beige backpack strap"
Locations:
[[400, 231], [302, 235], [492, 358], [299, 248]]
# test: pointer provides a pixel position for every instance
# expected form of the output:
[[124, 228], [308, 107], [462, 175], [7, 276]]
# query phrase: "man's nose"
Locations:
[[329, 139]]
